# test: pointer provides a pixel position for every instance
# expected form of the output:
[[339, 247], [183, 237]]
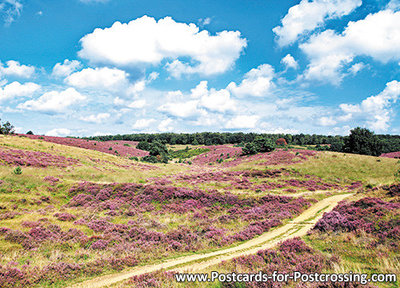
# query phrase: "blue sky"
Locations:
[[95, 67]]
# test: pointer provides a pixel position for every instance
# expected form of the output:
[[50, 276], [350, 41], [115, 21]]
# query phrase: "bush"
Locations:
[[17, 171], [150, 159], [281, 142]]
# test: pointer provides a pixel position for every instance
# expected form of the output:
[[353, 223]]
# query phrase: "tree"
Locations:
[[29, 132], [281, 142], [264, 144], [143, 145], [260, 144], [363, 141], [249, 149], [6, 128]]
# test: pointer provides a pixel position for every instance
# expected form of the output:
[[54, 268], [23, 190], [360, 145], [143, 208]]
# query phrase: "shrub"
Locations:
[[281, 142], [17, 171]]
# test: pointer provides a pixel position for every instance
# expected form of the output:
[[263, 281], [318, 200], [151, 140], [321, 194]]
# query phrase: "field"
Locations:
[[78, 210]]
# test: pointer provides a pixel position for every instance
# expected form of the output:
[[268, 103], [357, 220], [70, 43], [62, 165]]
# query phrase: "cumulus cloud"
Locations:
[[165, 125], [96, 118], [374, 110], [376, 36], [16, 89], [357, 67], [181, 109], [14, 68], [218, 100], [99, 78], [201, 99], [147, 41], [243, 122], [58, 132], [289, 62], [136, 104], [10, 10], [143, 123], [326, 121], [67, 68], [308, 15], [54, 101], [257, 82]]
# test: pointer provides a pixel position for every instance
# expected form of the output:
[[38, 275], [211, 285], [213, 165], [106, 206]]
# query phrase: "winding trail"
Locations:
[[296, 228]]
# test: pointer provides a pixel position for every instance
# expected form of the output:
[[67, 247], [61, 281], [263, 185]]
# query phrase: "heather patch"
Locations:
[[289, 181], [110, 147], [370, 215], [33, 158], [276, 157], [217, 154], [395, 155]]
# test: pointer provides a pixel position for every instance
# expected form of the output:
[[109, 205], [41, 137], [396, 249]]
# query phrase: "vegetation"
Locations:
[[158, 151], [363, 141], [259, 145], [80, 210], [187, 153], [6, 128], [390, 143]]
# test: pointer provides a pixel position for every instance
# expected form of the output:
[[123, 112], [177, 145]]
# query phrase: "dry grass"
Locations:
[[352, 167]]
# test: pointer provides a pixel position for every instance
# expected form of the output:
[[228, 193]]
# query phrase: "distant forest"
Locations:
[[387, 143]]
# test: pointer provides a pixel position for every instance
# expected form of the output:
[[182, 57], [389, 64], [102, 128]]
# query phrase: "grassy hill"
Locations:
[[77, 213]]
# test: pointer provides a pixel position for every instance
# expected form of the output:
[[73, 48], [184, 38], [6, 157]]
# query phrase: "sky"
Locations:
[[97, 67]]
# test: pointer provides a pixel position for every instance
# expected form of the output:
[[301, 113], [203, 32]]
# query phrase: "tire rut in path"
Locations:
[[298, 227]]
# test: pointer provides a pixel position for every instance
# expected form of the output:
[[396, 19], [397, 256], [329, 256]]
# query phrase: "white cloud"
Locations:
[[289, 62], [136, 104], [267, 128], [99, 118], [393, 5], [65, 69], [58, 132], [54, 101], [308, 15], [218, 100], [376, 36], [257, 82], [165, 125], [242, 121], [143, 123], [99, 78], [375, 110], [204, 21], [137, 87], [16, 89], [357, 67], [11, 9], [202, 99], [181, 109], [14, 68], [327, 121], [147, 41]]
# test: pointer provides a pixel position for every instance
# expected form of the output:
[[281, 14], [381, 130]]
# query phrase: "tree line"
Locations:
[[360, 140]]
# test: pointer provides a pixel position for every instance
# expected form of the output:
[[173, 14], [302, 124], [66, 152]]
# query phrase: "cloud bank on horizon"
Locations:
[[320, 67]]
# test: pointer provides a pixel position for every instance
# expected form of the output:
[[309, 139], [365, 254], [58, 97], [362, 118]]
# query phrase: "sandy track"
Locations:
[[296, 228]]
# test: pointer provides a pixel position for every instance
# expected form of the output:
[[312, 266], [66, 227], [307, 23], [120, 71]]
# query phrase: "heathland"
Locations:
[[76, 210]]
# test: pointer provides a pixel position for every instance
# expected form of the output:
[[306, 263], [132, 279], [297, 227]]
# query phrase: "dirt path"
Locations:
[[296, 228]]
